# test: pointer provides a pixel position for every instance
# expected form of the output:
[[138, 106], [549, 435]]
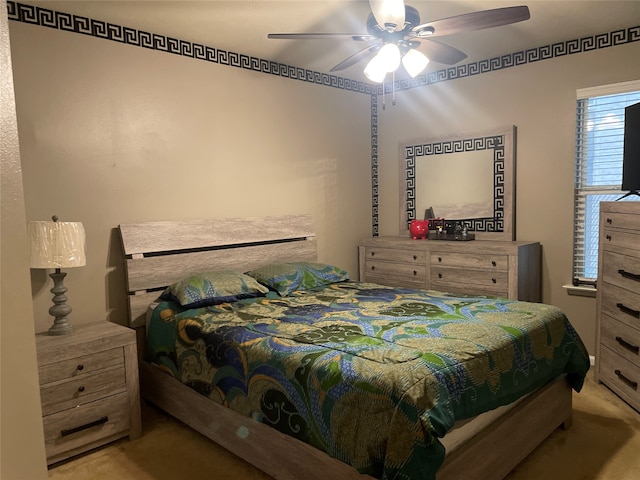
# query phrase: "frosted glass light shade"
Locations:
[[390, 57], [56, 244], [414, 62], [375, 70]]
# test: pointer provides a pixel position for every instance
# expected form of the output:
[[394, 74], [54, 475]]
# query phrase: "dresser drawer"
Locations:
[[621, 304], [469, 289], [495, 280], [621, 239], [626, 221], [83, 389], [471, 261], [396, 255], [622, 376], [85, 425], [621, 270], [78, 366], [621, 338]]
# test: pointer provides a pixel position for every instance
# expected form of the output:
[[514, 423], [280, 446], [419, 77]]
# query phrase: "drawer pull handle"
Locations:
[[373, 267], [493, 262], [415, 257], [439, 275], [373, 254], [95, 423], [439, 259], [627, 310], [609, 221], [629, 275], [630, 383], [415, 273], [608, 237], [81, 388], [80, 367], [494, 280], [632, 348]]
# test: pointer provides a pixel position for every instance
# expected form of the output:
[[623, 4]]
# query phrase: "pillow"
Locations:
[[286, 278], [212, 288]]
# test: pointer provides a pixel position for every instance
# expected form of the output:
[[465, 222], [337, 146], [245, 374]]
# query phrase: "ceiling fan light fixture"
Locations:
[[390, 57], [375, 70], [414, 62]]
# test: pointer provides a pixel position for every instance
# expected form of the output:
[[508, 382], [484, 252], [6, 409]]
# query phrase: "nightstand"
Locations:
[[88, 388]]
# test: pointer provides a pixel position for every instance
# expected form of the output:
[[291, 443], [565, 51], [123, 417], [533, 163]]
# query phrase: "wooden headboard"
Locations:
[[160, 253]]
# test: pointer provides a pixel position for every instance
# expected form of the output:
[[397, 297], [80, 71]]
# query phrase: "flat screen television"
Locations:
[[631, 152]]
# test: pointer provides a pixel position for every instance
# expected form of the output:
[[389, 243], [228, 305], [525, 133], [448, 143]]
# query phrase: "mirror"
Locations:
[[469, 179]]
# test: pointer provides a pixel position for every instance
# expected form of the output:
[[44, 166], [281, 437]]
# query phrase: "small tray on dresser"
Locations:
[[450, 237]]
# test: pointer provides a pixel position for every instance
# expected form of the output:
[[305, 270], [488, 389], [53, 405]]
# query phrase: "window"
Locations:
[[599, 147]]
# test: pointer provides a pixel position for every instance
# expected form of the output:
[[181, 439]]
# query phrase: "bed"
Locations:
[[341, 379]]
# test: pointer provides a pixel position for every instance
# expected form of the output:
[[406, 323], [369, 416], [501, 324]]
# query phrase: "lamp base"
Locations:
[[60, 309]]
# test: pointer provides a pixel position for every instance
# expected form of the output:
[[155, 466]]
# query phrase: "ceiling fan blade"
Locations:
[[357, 57], [321, 36], [388, 13], [440, 52], [473, 21]]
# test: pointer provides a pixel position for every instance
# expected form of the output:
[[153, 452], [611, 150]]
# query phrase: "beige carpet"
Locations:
[[603, 443]]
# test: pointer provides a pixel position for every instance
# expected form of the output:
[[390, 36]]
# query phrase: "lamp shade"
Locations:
[[414, 62], [56, 244]]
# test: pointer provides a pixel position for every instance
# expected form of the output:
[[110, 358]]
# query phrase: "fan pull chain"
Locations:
[[384, 105]]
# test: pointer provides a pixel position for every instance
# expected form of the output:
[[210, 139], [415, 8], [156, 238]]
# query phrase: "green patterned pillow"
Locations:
[[212, 288], [286, 278]]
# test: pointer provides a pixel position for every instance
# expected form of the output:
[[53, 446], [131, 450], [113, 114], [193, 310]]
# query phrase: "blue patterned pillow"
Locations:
[[286, 278], [212, 288]]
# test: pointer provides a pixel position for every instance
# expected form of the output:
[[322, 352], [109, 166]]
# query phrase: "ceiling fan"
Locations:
[[395, 35]]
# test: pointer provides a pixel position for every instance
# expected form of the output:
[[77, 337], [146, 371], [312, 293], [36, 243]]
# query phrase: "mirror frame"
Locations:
[[502, 142]]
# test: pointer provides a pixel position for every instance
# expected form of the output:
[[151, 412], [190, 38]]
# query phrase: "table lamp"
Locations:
[[55, 244]]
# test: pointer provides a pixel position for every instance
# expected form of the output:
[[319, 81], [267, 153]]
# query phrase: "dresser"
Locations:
[[89, 388], [618, 300], [477, 267]]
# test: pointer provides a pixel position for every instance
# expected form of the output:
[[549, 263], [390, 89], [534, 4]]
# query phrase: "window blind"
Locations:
[[598, 171]]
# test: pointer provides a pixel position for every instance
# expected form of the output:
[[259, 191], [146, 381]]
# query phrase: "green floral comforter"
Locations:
[[372, 375]]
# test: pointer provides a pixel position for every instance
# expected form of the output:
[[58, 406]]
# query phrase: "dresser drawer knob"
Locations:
[[629, 275], [80, 367], [81, 388], [609, 221], [415, 257], [373, 254], [415, 273], [608, 237], [373, 267], [493, 280], [440, 259], [439, 275], [627, 310], [69, 431], [493, 263], [632, 348], [630, 383]]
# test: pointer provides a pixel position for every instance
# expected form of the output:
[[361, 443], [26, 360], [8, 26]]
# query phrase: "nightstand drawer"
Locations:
[[620, 239], [85, 425], [627, 221], [86, 388], [84, 365], [470, 261]]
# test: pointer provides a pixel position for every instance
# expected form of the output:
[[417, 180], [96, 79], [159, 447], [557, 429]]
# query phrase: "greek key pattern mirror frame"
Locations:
[[501, 142]]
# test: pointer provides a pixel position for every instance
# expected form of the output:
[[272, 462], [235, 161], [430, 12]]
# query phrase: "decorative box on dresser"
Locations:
[[618, 300], [477, 267], [89, 388]]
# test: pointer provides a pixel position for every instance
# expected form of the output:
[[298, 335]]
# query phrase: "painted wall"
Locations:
[[113, 133], [540, 99], [22, 455]]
